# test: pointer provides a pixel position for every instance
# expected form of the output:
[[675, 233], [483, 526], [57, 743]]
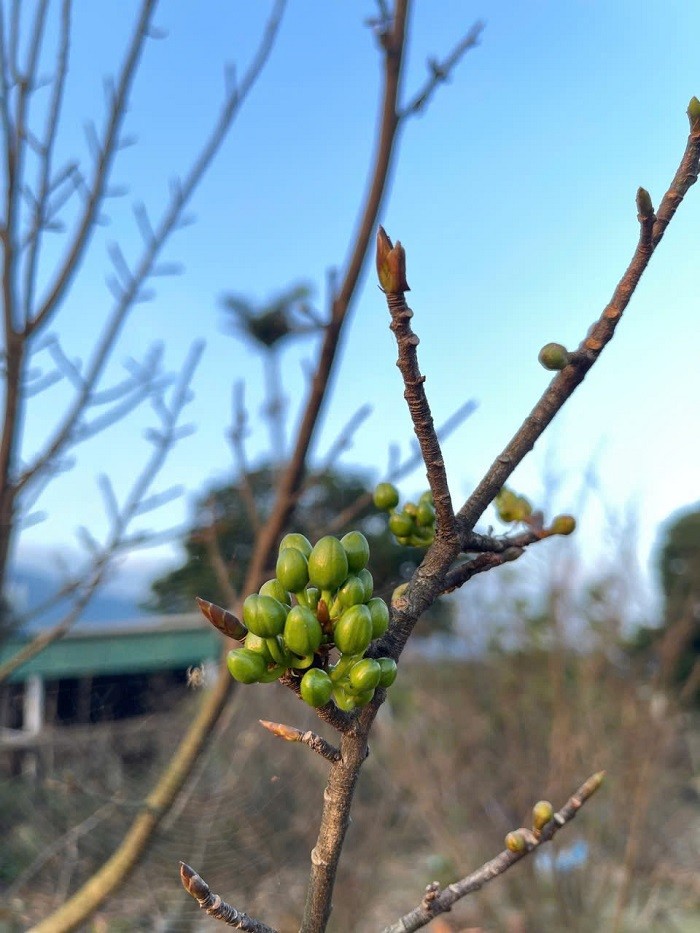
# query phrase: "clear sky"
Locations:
[[513, 195]]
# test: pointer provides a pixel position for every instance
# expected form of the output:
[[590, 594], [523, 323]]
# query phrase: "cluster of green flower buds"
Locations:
[[320, 599], [511, 508], [413, 525]]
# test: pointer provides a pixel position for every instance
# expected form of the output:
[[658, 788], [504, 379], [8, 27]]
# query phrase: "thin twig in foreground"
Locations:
[[215, 907], [425, 912]]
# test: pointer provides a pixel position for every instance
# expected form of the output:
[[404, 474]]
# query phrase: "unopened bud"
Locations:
[[391, 264], [563, 525], [515, 842], [542, 813], [225, 621], [694, 113], [645, 209], [553, 356]]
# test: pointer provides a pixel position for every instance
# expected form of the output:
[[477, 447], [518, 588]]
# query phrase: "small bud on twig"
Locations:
[[645, 209], [515, 842], [694, 114], [391, 264], [563, 525], [554, 356], [223, 620], [542, 813]]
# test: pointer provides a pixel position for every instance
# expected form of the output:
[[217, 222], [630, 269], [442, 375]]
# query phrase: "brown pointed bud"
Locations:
[[553, 356], [289, 733], [193, 883], [645, 209], [694, 114], [515, 842], [563, 525], [542, 813], [223, 620], [512, 553], [391, 264]]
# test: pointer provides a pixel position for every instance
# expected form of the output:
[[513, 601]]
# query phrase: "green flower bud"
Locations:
[[316, 687], [259, 646], [264, 615], [278, 651], [398, 592], [302, 631], [328, 564], [298, 541], [292, 569], [542, 813], [368, 582], [352, 632], [694, 113], [553, 356], [343, 700], [351, 592], [365, 675], [362, 699], [386, 497], [273, 672], [401, 525], [246, 666], [379, 611], [425, 515], [357, 550], [388, 671], [275, 589]]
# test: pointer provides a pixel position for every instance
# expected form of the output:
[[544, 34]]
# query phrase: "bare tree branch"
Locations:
[[217, 909], [439, 903]]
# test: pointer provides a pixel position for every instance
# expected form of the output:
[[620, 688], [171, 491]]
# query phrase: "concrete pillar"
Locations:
[[33, 707]]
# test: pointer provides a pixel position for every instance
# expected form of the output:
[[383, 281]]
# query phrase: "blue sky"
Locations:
[[513, 195]]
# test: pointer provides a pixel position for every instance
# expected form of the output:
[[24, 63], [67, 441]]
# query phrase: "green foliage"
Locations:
[[223, 508]]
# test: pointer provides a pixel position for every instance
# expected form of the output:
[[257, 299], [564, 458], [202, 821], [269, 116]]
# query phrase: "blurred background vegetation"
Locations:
[[463, 748]]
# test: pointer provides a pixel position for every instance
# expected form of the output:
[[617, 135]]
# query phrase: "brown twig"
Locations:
[[418, 405], [425, 912], [314, 741], [217, 909], [652, 228]]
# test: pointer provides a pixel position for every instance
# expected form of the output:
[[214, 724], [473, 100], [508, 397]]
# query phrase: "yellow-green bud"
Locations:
[[563, 525], [515, 842], [553, 356], [694, 113], [542, 813], [391, 264], [645, 209]]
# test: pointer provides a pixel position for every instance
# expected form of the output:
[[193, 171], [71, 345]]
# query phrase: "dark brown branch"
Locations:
[[440, 903], [314, 741], [421, 416], [217, 909], [565, 382]]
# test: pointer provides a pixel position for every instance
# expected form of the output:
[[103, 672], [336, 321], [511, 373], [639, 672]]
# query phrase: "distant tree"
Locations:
[[222, 529], [679, 569]]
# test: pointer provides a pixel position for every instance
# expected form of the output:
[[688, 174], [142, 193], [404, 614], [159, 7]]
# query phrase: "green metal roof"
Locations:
[[169, 643]]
